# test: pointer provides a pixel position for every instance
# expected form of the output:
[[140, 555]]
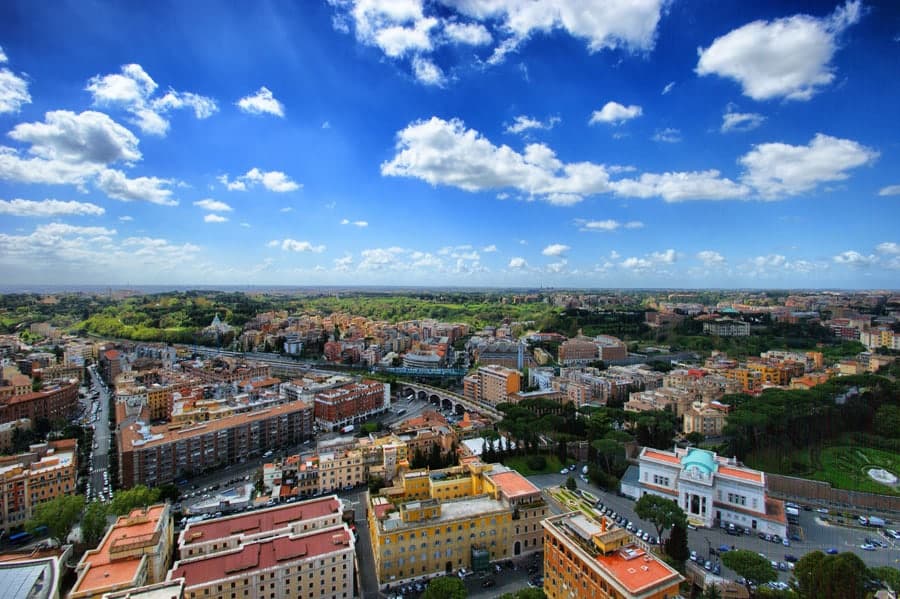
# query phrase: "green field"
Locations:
[[843, 466]]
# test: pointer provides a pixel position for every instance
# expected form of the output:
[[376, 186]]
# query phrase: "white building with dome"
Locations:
[[711, 490]]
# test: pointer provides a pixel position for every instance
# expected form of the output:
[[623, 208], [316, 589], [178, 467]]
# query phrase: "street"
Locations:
[[100, 457]]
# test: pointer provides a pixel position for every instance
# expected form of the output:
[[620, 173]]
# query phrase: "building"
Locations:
[[708, 419], [610, 349], [161, 454], [587, 557], [8, 433], [492, 384], [710, 489], [351, 403], [33, 573], [726, 327], [432, 523], [135, 551], [578, 351], [880, 337], [45, 472], [57, 401], [302, 550]]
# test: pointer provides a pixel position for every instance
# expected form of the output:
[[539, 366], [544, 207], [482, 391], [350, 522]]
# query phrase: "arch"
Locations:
[[448, 567], [422, 395], [407, 391], [460, 409], [435, 399], [446, 404], [517, 548]]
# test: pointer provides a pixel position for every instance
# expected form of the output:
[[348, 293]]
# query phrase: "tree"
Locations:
[[445, 587], [663, 513], [888, 575], [750, 565], [677, 544], [570, 483], [59, 515], [823, 576], [127, 500], [695, 438], [93, 523]]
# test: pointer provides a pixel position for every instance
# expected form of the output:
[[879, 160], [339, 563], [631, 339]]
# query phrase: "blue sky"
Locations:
[[586, 143]]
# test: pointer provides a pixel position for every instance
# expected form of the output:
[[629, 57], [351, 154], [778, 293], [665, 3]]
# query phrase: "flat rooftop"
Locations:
[[451, 510], [513, 484], [261, 520], [261, 555]]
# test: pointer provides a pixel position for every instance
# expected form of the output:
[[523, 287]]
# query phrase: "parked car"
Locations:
[[831, 551], [790, 558]]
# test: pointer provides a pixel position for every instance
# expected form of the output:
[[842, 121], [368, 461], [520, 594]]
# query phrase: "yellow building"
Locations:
[[435, 522]]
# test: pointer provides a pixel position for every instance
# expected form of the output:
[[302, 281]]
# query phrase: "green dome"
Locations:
[[701, 459]]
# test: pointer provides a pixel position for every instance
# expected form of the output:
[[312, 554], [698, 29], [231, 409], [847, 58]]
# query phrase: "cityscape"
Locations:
[[429, 299]]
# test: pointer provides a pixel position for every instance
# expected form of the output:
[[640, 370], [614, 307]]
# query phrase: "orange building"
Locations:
[[492, 384], [134, 552], [593, 558], [45, 472]]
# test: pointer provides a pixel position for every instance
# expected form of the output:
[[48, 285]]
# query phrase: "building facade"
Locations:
[[351, 403], [57, 401], [492, 384], [45, 472]]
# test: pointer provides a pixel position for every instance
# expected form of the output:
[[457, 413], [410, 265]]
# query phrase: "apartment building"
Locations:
[[708, 419], [8, 432], [492, 384], [431, 523], [155, 455], [46, 471], [610, 348], [351, 403], [61, 374], [135, 551], [666, 398], [726, 327], [57, 401], [578, 351], [776, 373], [709, 488], [587, 557], [880, 337], [297, 551]]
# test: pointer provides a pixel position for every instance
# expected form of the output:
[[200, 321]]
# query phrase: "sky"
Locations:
[[496, 143]]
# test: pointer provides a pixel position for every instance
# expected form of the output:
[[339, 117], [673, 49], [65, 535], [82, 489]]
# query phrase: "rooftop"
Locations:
[[451, 510], [261, 520], [261, 555], [513, 484]]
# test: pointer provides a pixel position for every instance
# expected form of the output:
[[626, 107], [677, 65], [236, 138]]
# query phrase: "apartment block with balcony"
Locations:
[[45, 472], [351, 403], [492, 384]]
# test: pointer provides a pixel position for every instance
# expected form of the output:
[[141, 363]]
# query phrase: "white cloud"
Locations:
[[855, 259], [214, 218], [89, 137], [785, 58], [634, 224], [666, 257], [711, 258], [343, 264], [262, 102], [275, 181], [890, 190], [776, 169], [518, 263], [427, 72], [292, 245], [126, 218], [445, 152], [555, 249], [489, 249], [49, 208], [13, 89], [523, 123], [649, 262], [246, 225], [678, 187], [117, 185], [614, 113], [740, 121], [602, 226], [669, 87], [473, 34], [557, 267], [286, 209], [888, 247], [380, 258], [668, 135], [634, 263], [133, 89], [355, 223], [213, 205], [326, 125]]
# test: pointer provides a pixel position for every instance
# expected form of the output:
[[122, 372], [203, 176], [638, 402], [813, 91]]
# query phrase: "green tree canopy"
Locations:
[[821, 576], [663, 513], [570, 483], [445, 587], [139, 496], [677, 543], [750, 565], [93, 523], [59, 515]]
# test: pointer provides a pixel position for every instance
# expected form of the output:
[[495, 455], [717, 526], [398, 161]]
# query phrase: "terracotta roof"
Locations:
[[662, 456], [262, 520], [741, 473], [514, 484], [641, 572], [261, 555]]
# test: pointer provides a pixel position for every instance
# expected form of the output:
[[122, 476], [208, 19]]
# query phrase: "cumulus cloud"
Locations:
[[652, 261], [262, 102], [214, 218], [785, 58], [89, 137], [414, 30], [517, 263], [133, 91], [555, 249], [126, 218], [711, 258], [380, 258], [523, 123], [118, 186], [49, 208], [614, 113], [679, 187], [355, 223], [777, 169], [445, 152], [13, 89], [212, 205], [275, 181], [854, 259], [489, 249], [890, 190], [888, 247], [601, 226], [668, 135], [292, 245], [740, 121]]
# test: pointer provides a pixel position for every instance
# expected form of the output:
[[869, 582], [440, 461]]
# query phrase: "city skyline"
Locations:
[[456, 144]]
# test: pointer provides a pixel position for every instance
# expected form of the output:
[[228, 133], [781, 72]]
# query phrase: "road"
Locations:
[[100, 457]]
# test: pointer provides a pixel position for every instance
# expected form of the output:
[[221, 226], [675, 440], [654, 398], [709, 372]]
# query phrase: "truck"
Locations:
[[872, 521], [348, 429]]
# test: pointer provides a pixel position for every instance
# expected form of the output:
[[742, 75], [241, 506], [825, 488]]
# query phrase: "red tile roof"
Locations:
[[640, 573]]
